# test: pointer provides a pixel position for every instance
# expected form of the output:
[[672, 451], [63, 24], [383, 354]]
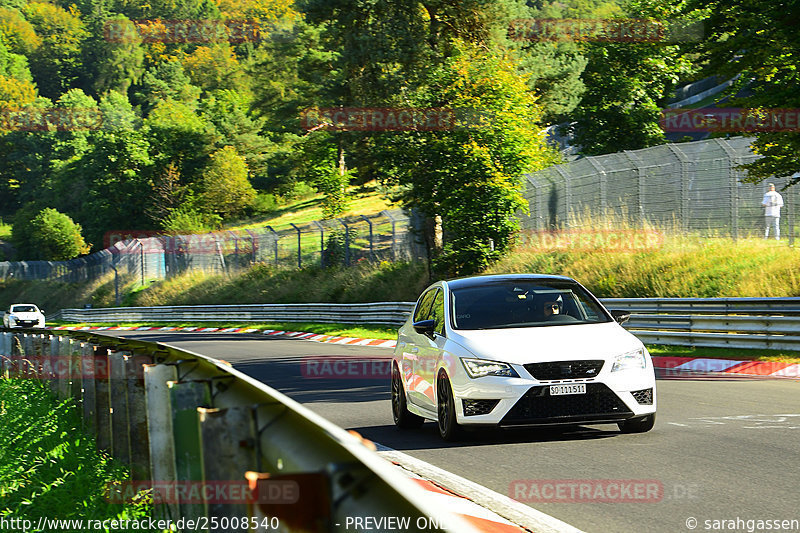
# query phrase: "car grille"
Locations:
[[478, 407], [644, 396], [27, 322], [537, 406], [565, 369]]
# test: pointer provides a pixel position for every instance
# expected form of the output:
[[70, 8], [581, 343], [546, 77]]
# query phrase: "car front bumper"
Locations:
[[610, 397]]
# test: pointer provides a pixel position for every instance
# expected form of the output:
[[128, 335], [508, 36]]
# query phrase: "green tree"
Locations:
[[224, 186], [49, 236], [56, 63], [624, 83], [759, 40], [470, 178]]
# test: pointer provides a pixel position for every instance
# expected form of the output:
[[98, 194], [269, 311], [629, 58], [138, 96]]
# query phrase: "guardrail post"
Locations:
[[228, 442], [185, 398], [137, 416], [159, 429], [62, 368], [76, 370], [87, 381], [118, 394], [103, 406]]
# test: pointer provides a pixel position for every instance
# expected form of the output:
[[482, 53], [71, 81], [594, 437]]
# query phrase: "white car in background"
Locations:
[[23, 316], [519, 350]]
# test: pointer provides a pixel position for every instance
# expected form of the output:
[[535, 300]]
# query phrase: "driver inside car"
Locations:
[[553, 308]]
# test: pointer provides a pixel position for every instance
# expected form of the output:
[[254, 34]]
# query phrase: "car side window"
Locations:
[[437, 312], [424, 306]]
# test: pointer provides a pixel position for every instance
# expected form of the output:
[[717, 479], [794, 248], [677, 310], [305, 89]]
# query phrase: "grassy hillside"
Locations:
[[678, 265]]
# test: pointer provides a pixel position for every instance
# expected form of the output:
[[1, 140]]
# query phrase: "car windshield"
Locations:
[[23, 309], [512, 304]]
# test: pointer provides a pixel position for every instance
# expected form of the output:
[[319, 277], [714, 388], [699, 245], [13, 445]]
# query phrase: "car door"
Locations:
[[414, 344], [430, 353]]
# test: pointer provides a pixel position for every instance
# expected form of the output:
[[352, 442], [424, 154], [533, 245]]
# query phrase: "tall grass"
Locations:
[[679, 264], [365, 282], [48, 466]]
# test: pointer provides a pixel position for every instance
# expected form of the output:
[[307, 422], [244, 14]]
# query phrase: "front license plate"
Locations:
[[561, 390]]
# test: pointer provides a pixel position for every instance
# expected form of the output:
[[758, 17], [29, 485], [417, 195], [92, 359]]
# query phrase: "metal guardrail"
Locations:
[[180, 419], [387, 313], [759, 323]]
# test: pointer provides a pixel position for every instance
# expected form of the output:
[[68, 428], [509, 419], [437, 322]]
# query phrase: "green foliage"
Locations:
[[757, 39], [471, 177], [48, 466], [49, 236], [624, 84], [56, 63], [224, 186], [186, 219]]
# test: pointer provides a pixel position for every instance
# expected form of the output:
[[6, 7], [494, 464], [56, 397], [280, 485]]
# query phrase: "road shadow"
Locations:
[[427, 436]]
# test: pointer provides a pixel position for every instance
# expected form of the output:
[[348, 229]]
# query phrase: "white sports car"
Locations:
[[519, 350], [23, 316]]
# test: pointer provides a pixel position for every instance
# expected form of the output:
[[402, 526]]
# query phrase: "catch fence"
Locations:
[[688, 187], [342, 241]]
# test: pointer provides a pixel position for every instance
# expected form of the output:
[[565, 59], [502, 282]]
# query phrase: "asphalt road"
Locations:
[[722, 449]]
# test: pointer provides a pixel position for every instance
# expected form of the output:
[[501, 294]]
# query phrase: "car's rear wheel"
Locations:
[[638, 425], [446, 410], [403, 418]]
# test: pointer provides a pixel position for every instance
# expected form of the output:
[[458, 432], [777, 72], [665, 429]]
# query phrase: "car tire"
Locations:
[[449, 429], [638, 425], [403, 418]]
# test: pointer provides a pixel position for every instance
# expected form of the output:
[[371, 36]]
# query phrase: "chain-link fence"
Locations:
[[689, 187], [342, 241]]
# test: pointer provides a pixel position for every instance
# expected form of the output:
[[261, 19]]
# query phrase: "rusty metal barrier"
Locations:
[[213, 445]]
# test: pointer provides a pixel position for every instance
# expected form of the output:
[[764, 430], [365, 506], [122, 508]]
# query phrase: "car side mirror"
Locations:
[[425, 327], [620, 316]]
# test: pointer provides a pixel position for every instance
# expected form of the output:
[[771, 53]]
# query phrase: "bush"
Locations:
[[186, 220], [48, 235], [265, 203]]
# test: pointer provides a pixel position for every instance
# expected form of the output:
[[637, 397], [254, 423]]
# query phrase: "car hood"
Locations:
[[547, 343]]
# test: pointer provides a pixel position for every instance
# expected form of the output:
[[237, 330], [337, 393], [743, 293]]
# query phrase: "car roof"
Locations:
[[475, 281], [32, 305]]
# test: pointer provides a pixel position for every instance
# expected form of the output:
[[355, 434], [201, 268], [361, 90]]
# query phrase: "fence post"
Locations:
[[684, 207], [275, 236], [733, 196], [371, 248], [321, 242], [346, 242], [299, 255], [253, 254], [388, 215]]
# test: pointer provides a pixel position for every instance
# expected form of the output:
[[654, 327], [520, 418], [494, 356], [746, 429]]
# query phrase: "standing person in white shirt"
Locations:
[[772, 203]]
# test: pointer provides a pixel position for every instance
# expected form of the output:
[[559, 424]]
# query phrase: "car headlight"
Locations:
[[630, 360], [477, 368]]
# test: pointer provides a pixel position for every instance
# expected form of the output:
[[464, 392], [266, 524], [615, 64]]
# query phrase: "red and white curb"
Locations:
[[729, 367], [484, 509], [333, 339], [672, 365]]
